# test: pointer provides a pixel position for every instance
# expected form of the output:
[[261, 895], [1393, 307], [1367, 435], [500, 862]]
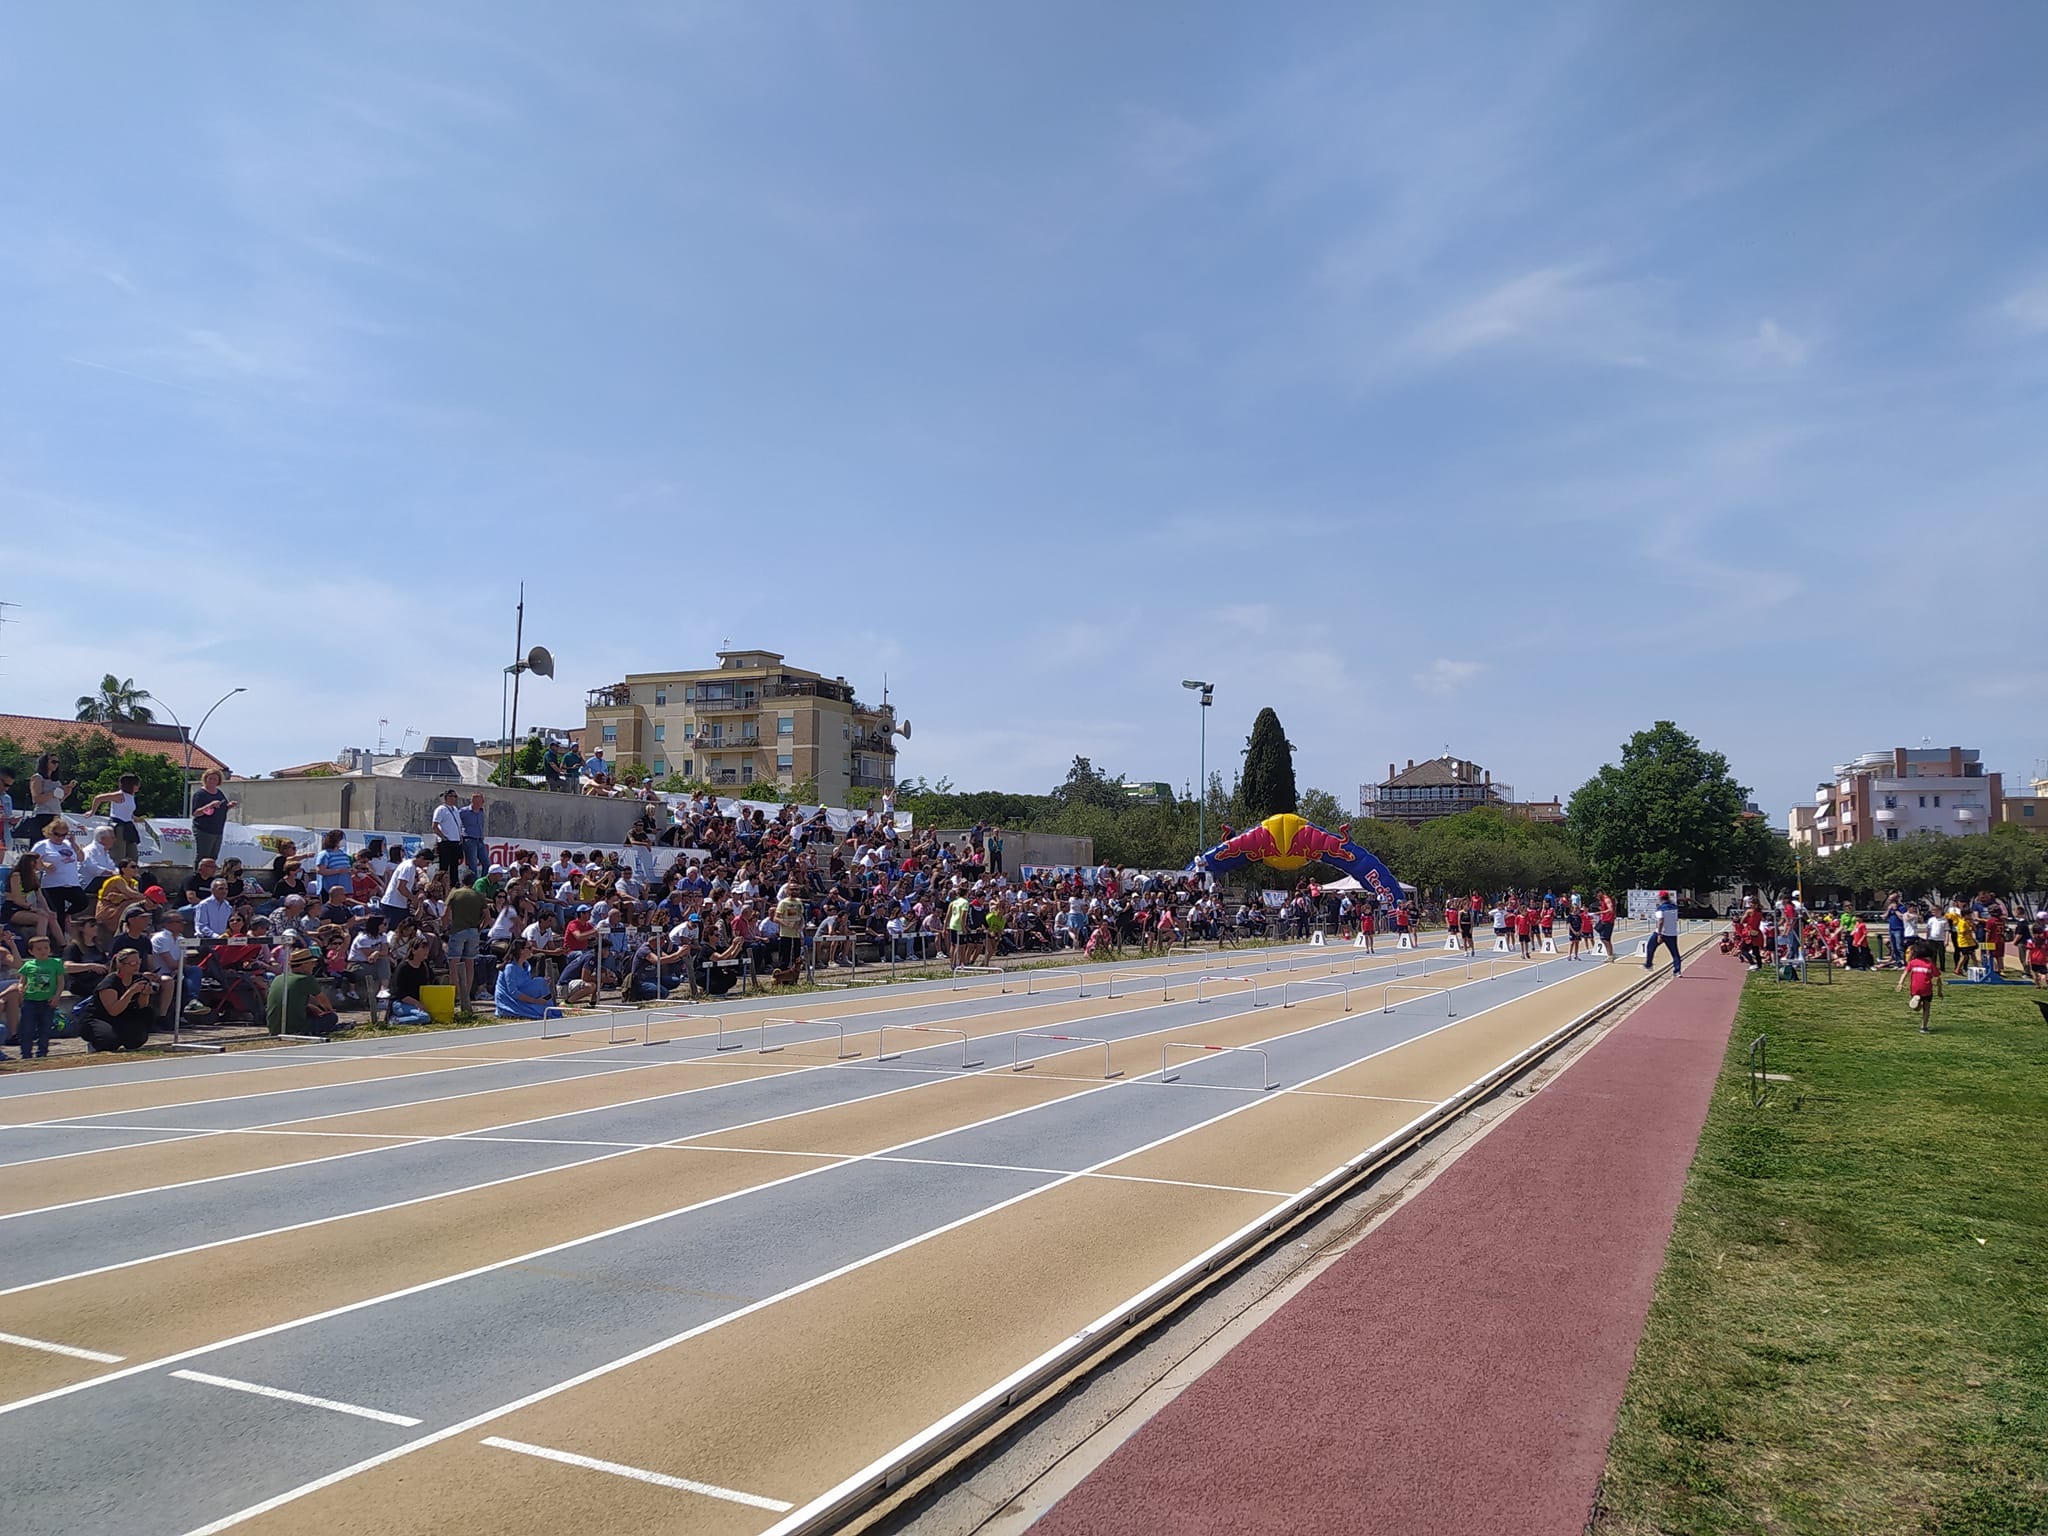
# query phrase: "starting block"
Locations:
[[1407, 941], [1549, 946], [1503, 947], [1316, 940]]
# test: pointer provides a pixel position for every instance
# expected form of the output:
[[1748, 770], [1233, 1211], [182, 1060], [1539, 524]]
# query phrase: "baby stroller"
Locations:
[[231, 993]]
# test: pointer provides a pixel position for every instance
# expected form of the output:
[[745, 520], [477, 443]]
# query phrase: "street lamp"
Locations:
[[1208, 693], [192, 735]]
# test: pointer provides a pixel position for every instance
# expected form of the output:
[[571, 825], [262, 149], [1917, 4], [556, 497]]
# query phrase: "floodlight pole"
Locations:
[[1208, 693]]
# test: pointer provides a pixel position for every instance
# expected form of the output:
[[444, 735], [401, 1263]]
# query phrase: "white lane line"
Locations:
[[429, 1285], [621, 1149], [61, 1349], [300, 1397], [832, 1160], [660, 1346], [400, 1140], [1115, 1178], [298, 1226], [83, 1117], [641, 1475]]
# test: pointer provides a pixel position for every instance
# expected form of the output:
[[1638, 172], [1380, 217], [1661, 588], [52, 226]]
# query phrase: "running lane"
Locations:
[[1460, 1370]]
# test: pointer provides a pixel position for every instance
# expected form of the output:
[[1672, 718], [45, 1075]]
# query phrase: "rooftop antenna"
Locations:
[[381, 723]]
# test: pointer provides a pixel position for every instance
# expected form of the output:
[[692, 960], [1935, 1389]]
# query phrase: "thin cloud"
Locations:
[[2027, 310], [1444, 676], [1774, 343]]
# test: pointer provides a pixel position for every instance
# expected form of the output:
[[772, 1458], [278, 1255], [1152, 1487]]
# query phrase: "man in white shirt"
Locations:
[[102, 857], [404, 884], [448, 837], [1663, 930], [210, 917]]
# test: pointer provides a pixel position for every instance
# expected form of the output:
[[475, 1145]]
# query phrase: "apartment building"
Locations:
[[752, 717], [1901, 793]]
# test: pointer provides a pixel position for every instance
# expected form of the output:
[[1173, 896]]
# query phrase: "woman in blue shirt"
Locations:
[[332, 864], [520, 993]]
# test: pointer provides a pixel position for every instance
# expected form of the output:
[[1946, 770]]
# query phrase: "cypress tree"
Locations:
[[1268, 769]]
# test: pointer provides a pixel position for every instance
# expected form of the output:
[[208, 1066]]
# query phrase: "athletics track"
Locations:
[[1459, 1370], [626, 1280]]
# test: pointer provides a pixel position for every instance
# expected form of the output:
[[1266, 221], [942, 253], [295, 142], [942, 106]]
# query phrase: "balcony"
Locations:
[[1965, 814], [872, 781], [874, 741], [796, 688], [616, 696], [1886, 813], [743, 704]]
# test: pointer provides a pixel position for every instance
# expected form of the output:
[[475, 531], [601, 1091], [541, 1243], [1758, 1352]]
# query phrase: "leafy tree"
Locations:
[[1668, 814], [803, 792], [116, 699], [634, 773], [1321, 808], [1492, 851], [1762, 858], [1268, 769], [1085, 784]]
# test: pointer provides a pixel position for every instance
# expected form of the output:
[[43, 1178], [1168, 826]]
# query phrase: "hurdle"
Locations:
[[649, 1019], [1033, 977], [1266, 1083], [1326, 983], [764, 1047], [1018, 1064], [1165, 977], [924, 1029], [980, 970], [1513, 962], [1402, 986], [1252, 979]]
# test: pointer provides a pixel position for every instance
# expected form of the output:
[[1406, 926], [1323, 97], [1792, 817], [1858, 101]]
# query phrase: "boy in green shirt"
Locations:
[[42, 978]]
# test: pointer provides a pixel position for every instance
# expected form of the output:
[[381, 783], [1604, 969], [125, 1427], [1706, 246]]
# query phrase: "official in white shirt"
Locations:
[[448, 838]]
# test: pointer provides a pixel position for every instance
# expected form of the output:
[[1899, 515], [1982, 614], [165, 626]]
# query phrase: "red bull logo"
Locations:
[[1284, 842], [1258, 843]]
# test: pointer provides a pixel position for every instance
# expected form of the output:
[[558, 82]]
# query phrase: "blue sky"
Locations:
[[1493, 377]]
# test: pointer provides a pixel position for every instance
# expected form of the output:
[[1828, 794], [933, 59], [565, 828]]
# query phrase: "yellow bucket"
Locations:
[[439, 1003]]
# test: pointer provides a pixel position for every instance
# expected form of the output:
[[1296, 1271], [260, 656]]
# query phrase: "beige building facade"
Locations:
[[752, 718], [1902, 792]]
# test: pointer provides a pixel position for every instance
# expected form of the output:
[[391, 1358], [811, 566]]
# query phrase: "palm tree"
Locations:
[[118, 699]]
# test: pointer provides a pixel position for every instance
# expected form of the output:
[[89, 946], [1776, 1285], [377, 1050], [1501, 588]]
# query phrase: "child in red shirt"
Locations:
[[1922, 979]]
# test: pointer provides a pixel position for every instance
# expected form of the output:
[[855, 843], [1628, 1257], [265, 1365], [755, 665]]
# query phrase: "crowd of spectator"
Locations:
[[1974, 934], [748, 897]]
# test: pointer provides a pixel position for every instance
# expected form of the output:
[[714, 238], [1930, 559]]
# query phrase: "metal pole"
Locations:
[[518, 640], [1202, 794]]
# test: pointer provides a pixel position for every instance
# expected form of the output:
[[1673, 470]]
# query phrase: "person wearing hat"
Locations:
[[297, 1002], [1663, 930]]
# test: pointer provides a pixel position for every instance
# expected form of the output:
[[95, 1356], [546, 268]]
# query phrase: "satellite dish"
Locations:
[[540, 660], [903, 730]]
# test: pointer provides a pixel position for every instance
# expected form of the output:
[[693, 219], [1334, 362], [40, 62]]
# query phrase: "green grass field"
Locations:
[[1850, 1333]]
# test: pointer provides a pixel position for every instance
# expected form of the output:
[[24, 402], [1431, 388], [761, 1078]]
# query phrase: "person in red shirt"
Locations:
[[2037, 950], [1525, 930], [1922, 980], [1604, 924]]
